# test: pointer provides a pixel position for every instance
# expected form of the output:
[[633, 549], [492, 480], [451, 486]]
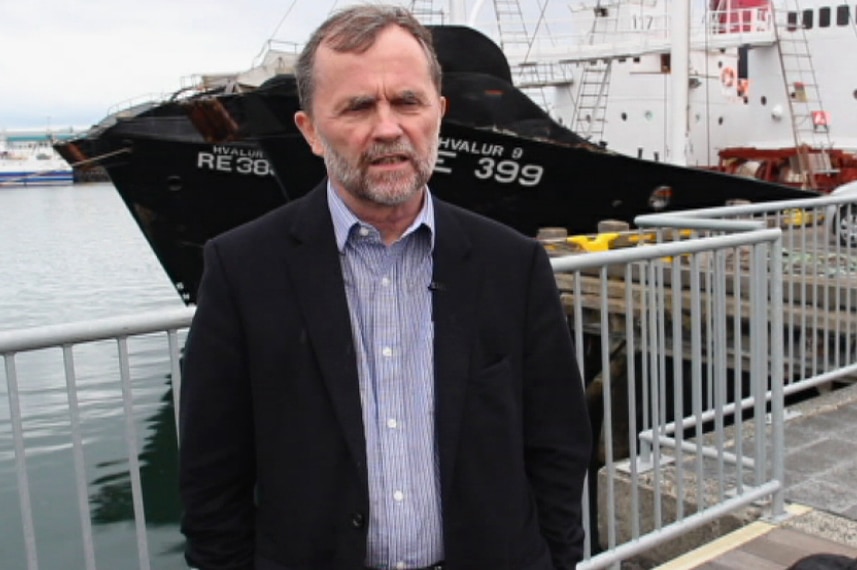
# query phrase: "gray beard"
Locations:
[[388, 189]]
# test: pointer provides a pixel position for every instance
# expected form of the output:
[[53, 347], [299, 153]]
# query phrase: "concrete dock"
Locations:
[[821, 493]]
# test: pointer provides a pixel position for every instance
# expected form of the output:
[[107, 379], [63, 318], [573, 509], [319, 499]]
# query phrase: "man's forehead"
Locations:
[[394, 39], [399, 71]]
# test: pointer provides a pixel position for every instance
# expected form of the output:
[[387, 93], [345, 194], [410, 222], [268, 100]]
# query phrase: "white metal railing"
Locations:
[[633, 33], [652, 324], [695, 339], [758, 302], [66, 338], [819, 285]]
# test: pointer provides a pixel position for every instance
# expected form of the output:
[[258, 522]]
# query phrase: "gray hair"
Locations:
[[354, 30]]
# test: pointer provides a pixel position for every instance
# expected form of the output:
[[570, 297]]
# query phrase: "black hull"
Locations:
[[183, 193]]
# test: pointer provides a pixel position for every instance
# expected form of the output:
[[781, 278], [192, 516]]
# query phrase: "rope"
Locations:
[[100, 157]]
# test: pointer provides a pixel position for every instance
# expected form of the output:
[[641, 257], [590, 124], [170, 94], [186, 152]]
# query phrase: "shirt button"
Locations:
[[364, 231], [387, 351], [400, 565], [392, 423], [385, 282], [398, 496]]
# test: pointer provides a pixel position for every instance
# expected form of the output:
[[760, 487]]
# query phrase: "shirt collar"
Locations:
[[344, 219]]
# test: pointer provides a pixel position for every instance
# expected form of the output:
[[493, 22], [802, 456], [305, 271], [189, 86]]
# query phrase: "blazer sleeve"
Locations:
[[557, 433], [216, 450]]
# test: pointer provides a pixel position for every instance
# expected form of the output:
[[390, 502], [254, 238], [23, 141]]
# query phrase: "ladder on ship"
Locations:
[[809, 120], [590, 110]]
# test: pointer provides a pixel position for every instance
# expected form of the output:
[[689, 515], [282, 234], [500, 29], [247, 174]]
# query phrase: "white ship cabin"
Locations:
[[759, 73]]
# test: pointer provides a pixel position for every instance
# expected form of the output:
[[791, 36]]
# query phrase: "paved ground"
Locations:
[[821, 453], [821, 490]]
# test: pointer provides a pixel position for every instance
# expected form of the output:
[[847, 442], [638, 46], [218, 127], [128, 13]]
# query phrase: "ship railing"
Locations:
[[755, 20], [632, 34], [277, 45], [134, 105]]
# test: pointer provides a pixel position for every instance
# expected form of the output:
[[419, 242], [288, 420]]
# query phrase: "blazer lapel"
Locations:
[[453, 305], [316, 273]]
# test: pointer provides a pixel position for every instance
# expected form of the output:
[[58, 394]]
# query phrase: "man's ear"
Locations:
[[307, 128], [443, 106]]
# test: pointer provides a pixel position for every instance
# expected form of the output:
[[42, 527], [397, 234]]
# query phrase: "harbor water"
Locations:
[[72, 253]]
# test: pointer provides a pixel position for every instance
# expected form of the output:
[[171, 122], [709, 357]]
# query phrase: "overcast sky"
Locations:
[[66, 62]]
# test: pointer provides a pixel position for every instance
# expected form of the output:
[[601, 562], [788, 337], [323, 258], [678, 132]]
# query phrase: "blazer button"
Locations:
[[358, 520]]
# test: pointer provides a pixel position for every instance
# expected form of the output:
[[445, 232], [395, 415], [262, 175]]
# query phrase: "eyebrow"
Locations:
[[364, 101], [360, 101], [408, 95]]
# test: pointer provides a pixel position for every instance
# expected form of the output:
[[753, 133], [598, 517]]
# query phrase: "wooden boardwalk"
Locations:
[[758, 546]]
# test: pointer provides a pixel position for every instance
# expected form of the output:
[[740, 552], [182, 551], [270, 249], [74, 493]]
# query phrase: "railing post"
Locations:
[[77, 453], [21, 463], [133, 459], [777, 395]]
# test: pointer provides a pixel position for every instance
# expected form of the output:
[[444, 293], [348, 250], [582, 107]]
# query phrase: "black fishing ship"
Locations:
[[197, 166], [180, 189]]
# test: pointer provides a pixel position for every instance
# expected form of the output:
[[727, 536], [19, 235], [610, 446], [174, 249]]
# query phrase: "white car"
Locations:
[[841, 219]]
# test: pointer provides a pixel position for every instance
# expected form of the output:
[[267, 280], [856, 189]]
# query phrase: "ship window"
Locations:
[[764, 100], [807, 19], [842, 13], [824, 17], [624, 116], [792, 21], [855, 93]]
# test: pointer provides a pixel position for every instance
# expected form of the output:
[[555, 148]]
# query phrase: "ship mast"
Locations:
[[680, 71], [457, 12]]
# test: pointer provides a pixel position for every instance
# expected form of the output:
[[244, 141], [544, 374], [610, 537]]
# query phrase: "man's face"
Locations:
[[375, 118]]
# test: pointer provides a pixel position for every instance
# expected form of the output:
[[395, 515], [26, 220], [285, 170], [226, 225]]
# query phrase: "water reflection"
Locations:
[[112, 501], [50, 462]]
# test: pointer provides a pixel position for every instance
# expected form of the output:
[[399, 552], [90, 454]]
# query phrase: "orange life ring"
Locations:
[[727, 77]]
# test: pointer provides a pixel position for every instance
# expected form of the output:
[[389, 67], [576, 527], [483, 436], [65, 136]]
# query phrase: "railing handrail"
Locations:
[[46, 336], [575, 262], [648, 220]]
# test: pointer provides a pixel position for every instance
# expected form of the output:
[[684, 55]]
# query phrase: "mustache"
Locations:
[[380, 150]]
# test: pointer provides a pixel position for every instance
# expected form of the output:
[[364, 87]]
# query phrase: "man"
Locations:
[[374, 378]]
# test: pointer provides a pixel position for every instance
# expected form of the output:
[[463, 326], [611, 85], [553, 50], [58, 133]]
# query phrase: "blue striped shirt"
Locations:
[[390, 307]]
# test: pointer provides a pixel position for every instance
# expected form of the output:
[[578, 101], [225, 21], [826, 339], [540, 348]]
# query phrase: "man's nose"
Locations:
[[387, 125]]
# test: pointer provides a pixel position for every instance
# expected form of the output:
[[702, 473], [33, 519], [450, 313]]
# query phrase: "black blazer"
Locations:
[[272, 457]]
